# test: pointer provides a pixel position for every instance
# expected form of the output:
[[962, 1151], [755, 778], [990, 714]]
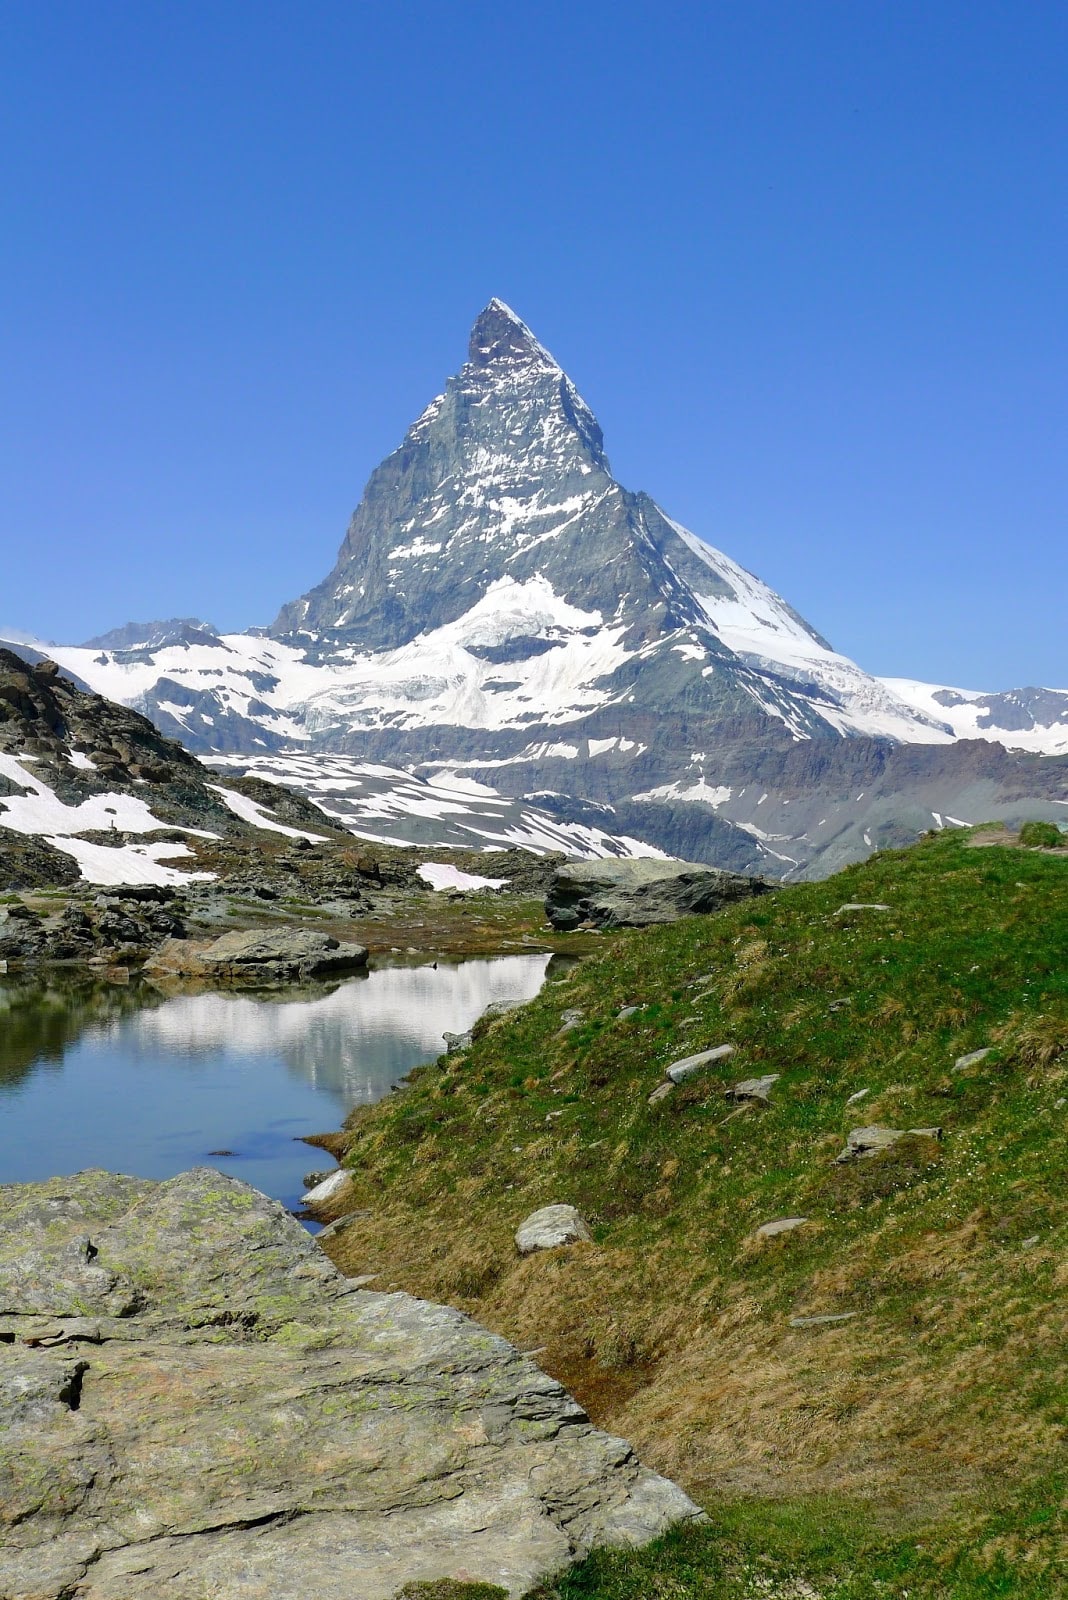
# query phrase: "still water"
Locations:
[[97, 1076]]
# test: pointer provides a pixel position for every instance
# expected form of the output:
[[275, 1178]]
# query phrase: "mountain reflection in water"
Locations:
[[94, 1076], [355, 1042]]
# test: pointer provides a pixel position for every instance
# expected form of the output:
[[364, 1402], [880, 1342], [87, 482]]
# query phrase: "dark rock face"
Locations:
[[77, 747], [155, 635], [195, 1402], [30, 863], [635, 894]]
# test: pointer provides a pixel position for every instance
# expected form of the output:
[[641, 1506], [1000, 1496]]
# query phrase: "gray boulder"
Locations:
[[680, 1070], [863, 1142], [550, 1227], [972, 1059], [457, 1041], [279, 955], [195, 1402], [772, 1230], [635, 894], [754, 1088]]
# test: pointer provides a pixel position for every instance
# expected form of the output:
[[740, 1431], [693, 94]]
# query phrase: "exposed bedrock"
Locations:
[[634, 894], [194, 1401]]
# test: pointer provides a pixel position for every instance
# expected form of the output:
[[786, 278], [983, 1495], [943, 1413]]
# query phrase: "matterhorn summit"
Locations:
[[497, 529], [504, 615]]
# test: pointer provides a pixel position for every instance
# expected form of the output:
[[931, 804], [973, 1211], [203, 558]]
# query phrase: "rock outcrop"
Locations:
[[634, 894], [194, 1402], [280, 955]]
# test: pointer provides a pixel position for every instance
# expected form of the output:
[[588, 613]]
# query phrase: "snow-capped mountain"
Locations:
[[503, 609], [1022, 719]]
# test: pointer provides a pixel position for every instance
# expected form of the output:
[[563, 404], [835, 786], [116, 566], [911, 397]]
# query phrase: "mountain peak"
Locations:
[[500, 336]]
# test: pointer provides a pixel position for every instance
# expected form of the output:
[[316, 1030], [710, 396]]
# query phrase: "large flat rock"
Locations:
[[634, 894], [194, 1402]]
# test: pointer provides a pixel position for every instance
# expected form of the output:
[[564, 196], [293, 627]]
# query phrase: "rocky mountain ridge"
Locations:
[[97, 784]]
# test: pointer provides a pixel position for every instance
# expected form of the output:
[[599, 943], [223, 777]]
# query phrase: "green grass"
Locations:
[[939, 1407], [791, 1550], [1044, 835]]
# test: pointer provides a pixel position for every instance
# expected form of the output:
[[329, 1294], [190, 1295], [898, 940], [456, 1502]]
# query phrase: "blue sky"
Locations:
[[806, 260]]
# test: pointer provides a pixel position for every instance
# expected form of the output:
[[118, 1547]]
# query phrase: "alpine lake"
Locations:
[[121, 1076]]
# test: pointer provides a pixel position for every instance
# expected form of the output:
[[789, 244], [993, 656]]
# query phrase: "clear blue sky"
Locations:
[[806, 260]]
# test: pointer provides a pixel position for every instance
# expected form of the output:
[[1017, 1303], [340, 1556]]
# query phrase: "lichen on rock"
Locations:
[[194, 1401]]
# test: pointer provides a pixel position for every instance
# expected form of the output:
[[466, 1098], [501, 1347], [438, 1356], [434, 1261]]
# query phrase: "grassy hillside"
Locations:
[[913, 1447]]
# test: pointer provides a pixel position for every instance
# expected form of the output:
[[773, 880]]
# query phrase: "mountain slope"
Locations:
[[92, 790], [897, 1359], [1024, 719]]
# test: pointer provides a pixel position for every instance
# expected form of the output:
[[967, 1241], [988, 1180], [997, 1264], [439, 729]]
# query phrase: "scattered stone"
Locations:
[[320, 1193], [817, 1322], [680, 1070], [754, 1088], [570, 1019], [627, 1011], [868, 1141], [861, 1094], [498, 1008], [550, 1227], [771, 1230], [310, 1180], [228, 1153], [838, 1005], [962, 1063], [339, 1225], [219, 1412], [457, 1041], [661, 1092], [1059, 1105], [860, 905], [636, 893], [1029, 1244], [862, 1142]]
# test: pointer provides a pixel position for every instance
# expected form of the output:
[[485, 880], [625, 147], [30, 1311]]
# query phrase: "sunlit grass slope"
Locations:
[[914, 1446]]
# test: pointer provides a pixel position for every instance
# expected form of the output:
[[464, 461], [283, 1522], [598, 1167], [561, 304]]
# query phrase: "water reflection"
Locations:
[[40, 1021], [93, 1075], [353, 1043]]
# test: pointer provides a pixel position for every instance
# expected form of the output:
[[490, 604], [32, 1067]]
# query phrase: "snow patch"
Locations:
[[249, 811], [439, 875]]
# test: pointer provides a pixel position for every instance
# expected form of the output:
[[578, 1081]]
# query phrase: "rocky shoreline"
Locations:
[[196, 1401]]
